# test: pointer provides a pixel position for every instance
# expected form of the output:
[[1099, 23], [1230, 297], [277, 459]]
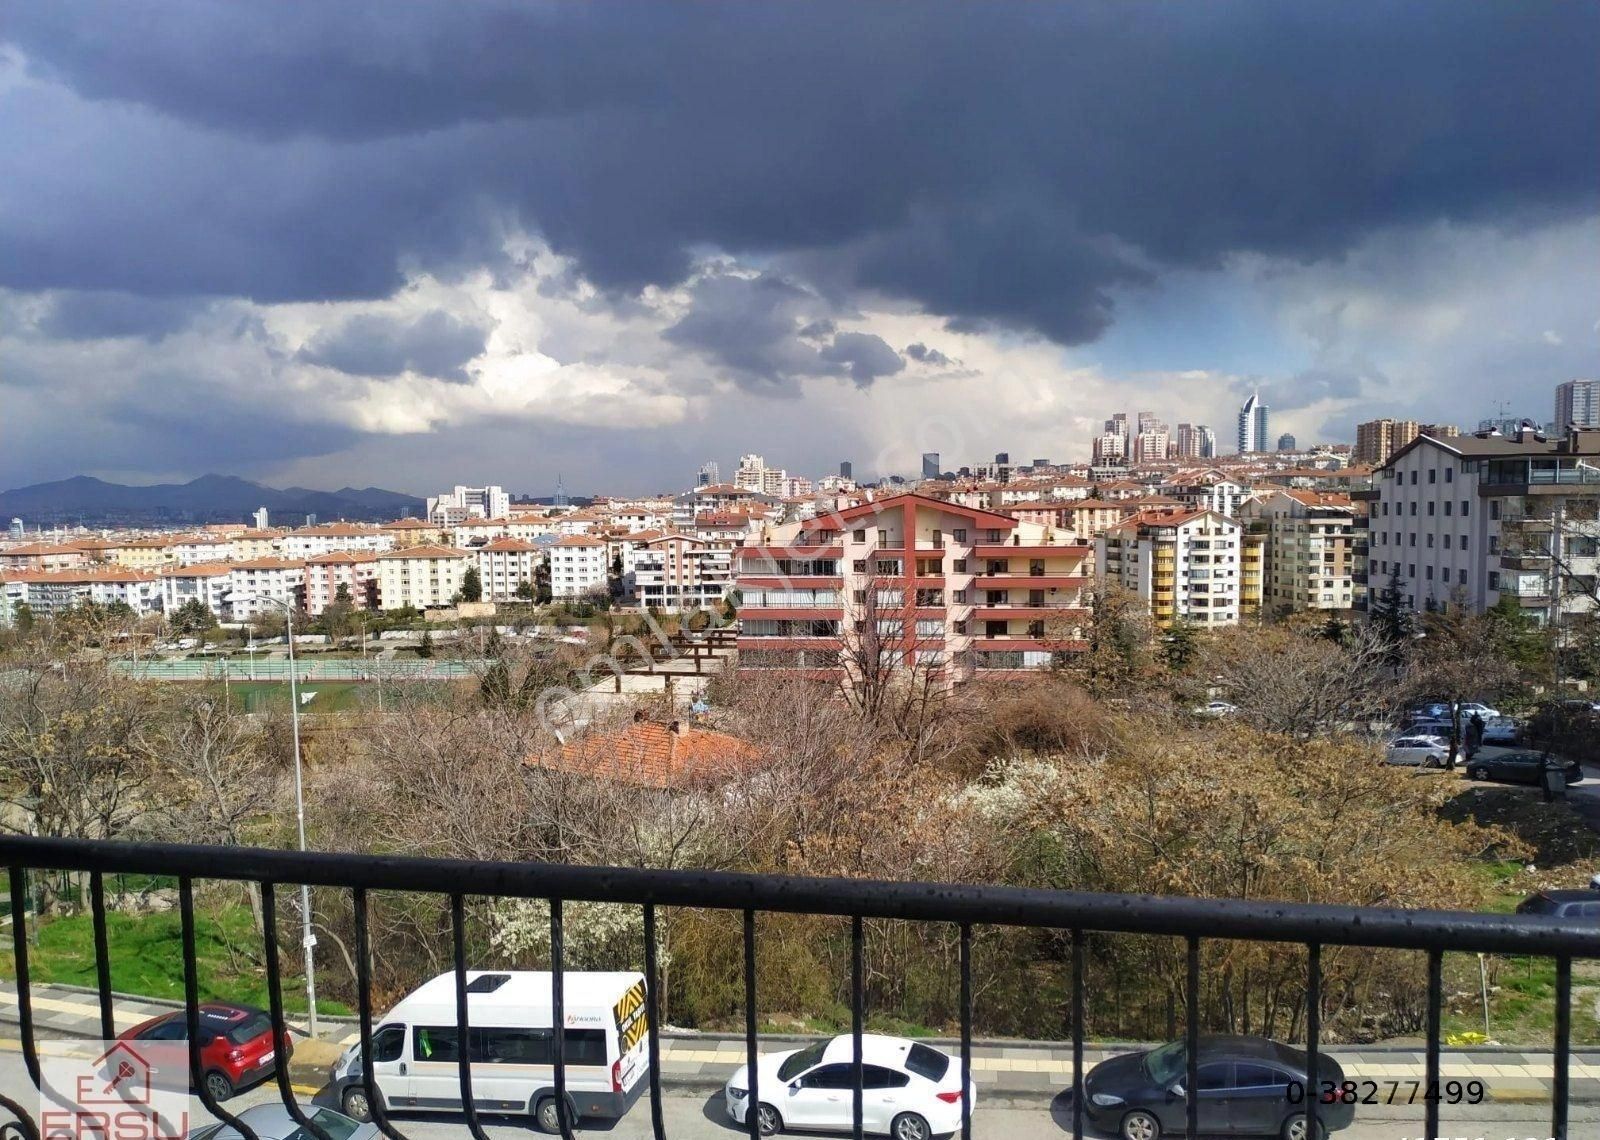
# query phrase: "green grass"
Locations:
[[268, 696], [1521, 999], [146, 953]]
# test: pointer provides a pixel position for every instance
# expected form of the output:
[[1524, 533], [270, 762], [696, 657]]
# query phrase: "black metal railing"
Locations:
[[1079, 914]]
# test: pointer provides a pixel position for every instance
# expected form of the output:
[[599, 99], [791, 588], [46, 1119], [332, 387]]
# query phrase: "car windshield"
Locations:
[[793, 1066], [1165, 1065]]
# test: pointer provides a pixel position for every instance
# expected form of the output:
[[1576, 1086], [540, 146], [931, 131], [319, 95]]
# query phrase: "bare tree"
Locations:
[[1295, 681]]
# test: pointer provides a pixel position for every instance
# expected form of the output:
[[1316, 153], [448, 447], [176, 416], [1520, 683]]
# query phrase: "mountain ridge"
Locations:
[[206, 498]]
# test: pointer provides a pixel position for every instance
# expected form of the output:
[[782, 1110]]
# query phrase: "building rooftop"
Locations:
[[423, 551], [655, 755]]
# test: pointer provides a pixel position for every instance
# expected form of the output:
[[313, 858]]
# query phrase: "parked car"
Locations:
[[1249, 1086], [1215, 708], [1428, 726], [1562, 904], [1522, 767], [1468, 708], [1502, 731], [1440, 710], [236, 1047], [271, 1121], [1417, 751], [911, 1091]]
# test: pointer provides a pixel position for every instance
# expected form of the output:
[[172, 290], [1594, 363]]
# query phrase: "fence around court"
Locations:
[[277, 669]]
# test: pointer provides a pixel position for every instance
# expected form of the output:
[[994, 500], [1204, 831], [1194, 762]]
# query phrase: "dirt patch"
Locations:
[[1555, 833]]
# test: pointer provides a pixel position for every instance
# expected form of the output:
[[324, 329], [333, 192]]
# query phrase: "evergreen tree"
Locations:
[[425, 646], [471, 585]]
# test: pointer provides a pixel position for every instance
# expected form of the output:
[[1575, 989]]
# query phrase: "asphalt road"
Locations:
[[699, 1116]]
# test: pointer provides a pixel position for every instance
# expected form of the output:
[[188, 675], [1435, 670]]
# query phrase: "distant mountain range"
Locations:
[[210, 498]]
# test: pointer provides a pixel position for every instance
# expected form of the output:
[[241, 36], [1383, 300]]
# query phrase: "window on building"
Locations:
[[1411, 569], [859, 566], [1461, 576], [1385, 508], [1449, 474], [1413, 509], [1433, 475], [1494, 543], [1494, 579], [992, 535], [1494, 509], [1413, 537], [960, 626], [1428, 572], [1464, 508], [1463, 542], [1448, 506], [1430, 508], [1430, 542], [959, 535], [858, 536], [1447, 542], [960, 565], [1413, 478]]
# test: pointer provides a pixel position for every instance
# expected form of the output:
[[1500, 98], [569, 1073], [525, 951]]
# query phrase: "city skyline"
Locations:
[[501, 248]]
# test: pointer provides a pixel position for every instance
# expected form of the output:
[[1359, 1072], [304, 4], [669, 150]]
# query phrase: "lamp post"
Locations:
[[307, 939]]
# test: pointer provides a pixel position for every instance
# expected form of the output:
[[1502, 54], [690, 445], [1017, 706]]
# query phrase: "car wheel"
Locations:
[[548, 1119], [218, 1086], [1140, 1126], [910, 1126], [769, 1120], [1479, 773], [1433, 762], [355, 1104], [1296, 1128]]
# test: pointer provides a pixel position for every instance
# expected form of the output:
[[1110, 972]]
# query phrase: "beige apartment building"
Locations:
[[1186, 565], [1309, 542], [423, 577]]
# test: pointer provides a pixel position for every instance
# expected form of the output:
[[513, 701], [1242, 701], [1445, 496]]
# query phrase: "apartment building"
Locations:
[[462, 503], [259, 586], [1577, 405], [143, 552], [422, 577], [1185, 564], [314, 541], [1224, 496], [413, 532], [209, 583], [249, 545], [49, 593], [199, 549], [578, 566], [910, 583], [355, 570], [504, 564], [1309, 543], [1470, 520], [676, 573], [44, 556]]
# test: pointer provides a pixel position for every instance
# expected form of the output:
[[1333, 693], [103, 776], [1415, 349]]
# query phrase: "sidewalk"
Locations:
[[1019, 1069]]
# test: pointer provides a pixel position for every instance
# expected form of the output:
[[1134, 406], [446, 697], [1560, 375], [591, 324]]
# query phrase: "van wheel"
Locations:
[[355, 1104], [768, 1119], [548, 1120]]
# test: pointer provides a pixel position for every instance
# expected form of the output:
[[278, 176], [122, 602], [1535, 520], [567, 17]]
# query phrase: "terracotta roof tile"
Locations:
[[655, 755]]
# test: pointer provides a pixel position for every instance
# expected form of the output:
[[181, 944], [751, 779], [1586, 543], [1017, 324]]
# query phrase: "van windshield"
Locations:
[[793, 1066]]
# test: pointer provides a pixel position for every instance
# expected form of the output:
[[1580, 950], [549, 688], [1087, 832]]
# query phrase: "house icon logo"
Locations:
[[120, 1075]]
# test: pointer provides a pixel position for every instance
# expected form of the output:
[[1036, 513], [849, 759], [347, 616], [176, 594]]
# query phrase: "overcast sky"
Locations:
[[413, 244]]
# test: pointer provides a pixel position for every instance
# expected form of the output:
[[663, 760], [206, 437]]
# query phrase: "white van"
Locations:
[[416, 1065]]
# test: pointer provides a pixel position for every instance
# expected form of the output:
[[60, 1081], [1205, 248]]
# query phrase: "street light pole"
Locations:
[[307, 939]]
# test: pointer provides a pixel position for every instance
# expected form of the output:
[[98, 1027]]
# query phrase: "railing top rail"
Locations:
[[871, 898]]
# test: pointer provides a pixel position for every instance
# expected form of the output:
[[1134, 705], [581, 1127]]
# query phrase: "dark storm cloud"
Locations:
[[863, 356], [434, 344], [97, 315], [752, 327], [922, 354], [1002, 165]]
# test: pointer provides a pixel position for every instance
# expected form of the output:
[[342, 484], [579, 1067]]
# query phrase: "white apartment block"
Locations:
[[1223, 496], [422, 577], [676, 573], [252, 544], [1468, 520], [314, 541], [197, 549], [209, 583], [462, 503], [505, 564], [1185, 564], [262, 586], [577, 566], [1309, 550], [49, 593]]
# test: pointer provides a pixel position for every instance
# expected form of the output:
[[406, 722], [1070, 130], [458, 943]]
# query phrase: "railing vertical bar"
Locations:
[[1191, 1033], [458, 941], [102, 955], [1313, 1031], [1077, 1034], [966, 1031], [752, 1115], [19, 949], [280, 1030], [375, 1106], [857, 1016], [191, 1013], [19, 946], [652, 1010], [558, 1016], [1435, 988], [1561, 1090]]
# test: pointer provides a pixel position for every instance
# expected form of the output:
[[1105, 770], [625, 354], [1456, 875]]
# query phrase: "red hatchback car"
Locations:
[[235, 1044]]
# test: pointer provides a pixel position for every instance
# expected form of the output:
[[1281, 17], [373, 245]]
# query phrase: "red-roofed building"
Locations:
[[646, 753], [356, 571], [1310, 555], [1185, 564], [504, 564], [910, 583], [578, 566]]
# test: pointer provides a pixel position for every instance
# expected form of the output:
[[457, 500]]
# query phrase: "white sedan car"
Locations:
[[1418, 751], [909, 1090], [1216, 708]]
